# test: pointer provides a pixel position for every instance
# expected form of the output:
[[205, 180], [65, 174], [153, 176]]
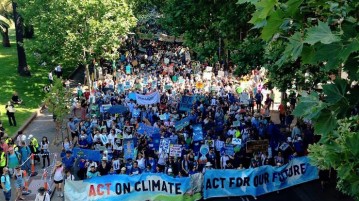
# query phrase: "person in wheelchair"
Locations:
[[15, 99]]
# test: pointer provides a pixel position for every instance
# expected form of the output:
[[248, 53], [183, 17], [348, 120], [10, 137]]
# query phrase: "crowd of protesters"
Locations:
[[146, 67]]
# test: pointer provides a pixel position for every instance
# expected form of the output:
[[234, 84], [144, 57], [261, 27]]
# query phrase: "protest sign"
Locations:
[[129, 149], [182, 123], [164, 146], [236, 141], [168, 86], [229, 149], [197, 132], [163, 117], [207, 75], [199, 85], [120, 88], [145, 186], [209, 69], [257, 181], [127, 85], [175, 150], [89, 154], [106, 107], [128, 69], [220, 73], [186, 103], [148, 99], [257, 145], [156, 139], [147, 130], [236, 123], [154, 84]]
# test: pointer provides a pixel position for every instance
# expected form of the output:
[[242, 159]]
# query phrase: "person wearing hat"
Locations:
[[19, 182], [58, 173], [104, 167], [208, 166], [42, 195], [34, 146]]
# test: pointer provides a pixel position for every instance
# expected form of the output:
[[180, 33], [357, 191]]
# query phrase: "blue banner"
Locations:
[[93, 155], [137, 187], [129, 149], [257, 181], [182, 123], [146, 129], [132, 96], [197, 132], [186, 103]]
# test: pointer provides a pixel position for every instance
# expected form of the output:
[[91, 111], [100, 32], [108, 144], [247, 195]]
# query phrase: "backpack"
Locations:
[[4, 181]]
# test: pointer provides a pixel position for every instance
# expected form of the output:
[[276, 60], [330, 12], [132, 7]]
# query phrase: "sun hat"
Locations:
[[208, 164], [30, 136], [58, 163]]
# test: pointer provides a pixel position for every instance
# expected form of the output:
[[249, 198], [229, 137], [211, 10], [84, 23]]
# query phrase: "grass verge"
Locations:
[[28, 88]]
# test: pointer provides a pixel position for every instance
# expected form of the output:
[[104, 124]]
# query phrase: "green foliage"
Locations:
[[58, 100], [309, 36], [207, 26], [340, 150], [73, 32]]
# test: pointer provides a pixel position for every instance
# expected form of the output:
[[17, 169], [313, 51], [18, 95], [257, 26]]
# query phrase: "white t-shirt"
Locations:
[[224, 160], [44, 197]]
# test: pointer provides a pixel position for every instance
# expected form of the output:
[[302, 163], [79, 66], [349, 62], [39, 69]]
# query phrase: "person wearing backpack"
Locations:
[[19, 182], [5, 184], [13, 159], [25, 154]]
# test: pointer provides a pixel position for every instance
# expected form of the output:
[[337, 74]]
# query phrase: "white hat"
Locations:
[[169, 170], [23, 138], [208, 164], [289, 139], [30, 136], [104, 158], [299, 138]]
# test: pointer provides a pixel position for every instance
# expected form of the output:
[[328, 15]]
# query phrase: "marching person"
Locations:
[[19, 182], [58, 177], [42, 195], [6, 184]]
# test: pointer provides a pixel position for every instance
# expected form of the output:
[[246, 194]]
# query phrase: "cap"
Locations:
[[169, 170], [123, 169], [69, 152], [208, 164], [289, 139], [30, 136], [104, 158]]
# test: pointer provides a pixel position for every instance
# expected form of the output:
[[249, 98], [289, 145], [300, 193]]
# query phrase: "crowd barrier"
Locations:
[[213, 183]]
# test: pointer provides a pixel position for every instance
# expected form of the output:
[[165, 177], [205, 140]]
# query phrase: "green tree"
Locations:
[[74, 32], [322, 36], [209, 27], [5, 21], [58, 103]]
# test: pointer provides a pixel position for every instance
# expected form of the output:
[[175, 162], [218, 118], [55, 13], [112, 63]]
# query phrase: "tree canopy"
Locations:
[[319, 36], [73, 32]]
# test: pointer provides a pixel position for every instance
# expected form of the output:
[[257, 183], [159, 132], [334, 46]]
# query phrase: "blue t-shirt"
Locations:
[[68, 162], [6, 180]]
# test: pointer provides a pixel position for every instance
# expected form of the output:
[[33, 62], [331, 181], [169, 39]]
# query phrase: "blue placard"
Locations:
[[182, 123], [197, 132], [93, 155], [132, 96], [129, 149], [148, 130], [186, 103]]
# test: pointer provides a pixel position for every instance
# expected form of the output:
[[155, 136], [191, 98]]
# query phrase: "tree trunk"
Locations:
[[5, 38], [21, 56], [28, 31]]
